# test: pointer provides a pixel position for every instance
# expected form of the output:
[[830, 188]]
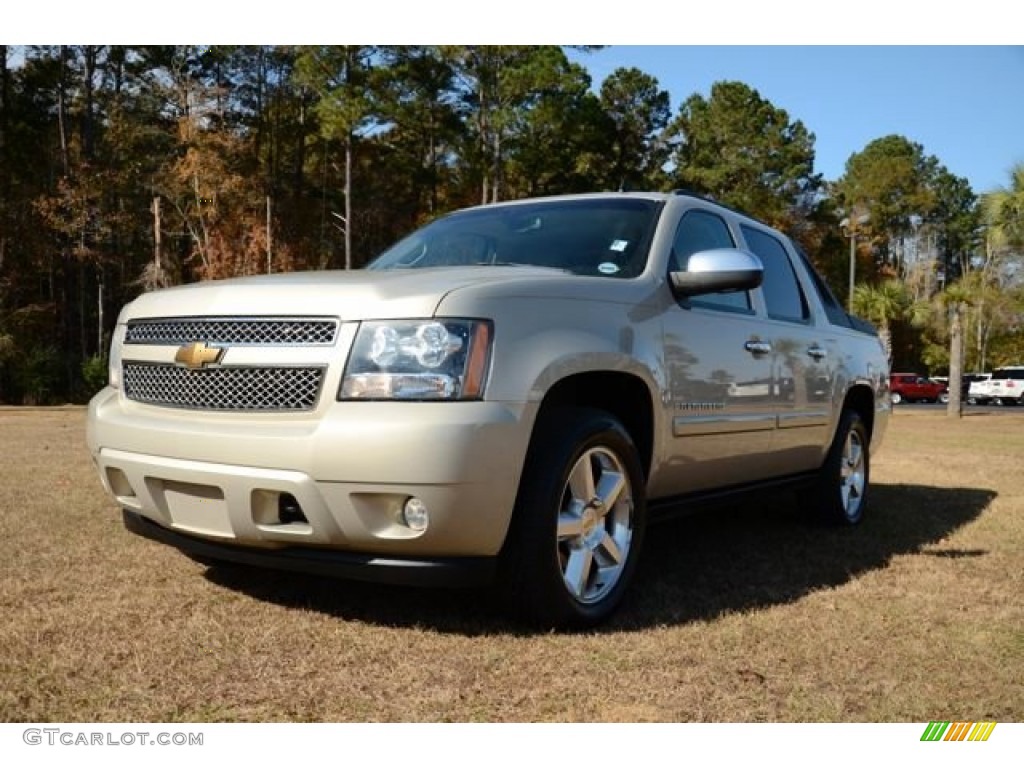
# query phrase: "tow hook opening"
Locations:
[[289, 511]]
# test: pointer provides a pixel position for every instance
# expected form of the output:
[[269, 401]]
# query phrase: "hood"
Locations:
[[356, 295]]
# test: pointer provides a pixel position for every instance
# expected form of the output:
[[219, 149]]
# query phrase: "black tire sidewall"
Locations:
[[831, 509], [530, 574]]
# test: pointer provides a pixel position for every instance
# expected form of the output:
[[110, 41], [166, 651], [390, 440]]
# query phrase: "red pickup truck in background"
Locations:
[[912, 387]]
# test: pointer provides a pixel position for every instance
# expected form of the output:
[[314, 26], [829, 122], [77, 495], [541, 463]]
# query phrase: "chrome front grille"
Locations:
[[224, 388], [267, 331]]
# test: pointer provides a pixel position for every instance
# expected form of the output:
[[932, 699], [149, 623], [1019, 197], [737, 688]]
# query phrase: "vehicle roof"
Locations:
[[642, 195]]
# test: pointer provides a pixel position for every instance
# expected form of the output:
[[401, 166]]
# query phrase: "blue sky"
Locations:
[[964, 105]]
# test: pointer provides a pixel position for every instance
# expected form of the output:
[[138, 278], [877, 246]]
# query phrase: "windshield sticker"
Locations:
[[618, 245], [607, 268]]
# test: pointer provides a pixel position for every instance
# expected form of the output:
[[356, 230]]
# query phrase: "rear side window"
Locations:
[[701, 231], [782, 294], [1009, 373], [833, 310]]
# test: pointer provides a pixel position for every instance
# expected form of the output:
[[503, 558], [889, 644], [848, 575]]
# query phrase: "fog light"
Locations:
[[415, 514]]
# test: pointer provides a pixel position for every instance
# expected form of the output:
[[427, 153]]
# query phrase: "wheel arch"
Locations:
[[625, 396], [861, 399]]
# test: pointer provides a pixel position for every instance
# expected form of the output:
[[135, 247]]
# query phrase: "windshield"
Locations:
[[606, 237]]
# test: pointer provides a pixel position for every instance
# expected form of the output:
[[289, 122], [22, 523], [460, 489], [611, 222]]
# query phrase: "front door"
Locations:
[[722, 404]]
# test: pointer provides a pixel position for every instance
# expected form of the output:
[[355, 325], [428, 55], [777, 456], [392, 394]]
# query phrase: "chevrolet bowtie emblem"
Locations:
[[198, 355]]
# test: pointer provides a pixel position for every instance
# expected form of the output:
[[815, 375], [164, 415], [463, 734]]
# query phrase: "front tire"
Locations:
[[840, 493], [578, 523]]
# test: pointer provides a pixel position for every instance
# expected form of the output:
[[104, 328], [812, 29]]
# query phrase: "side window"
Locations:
[[700, 231], [833, 309], [782, 295]]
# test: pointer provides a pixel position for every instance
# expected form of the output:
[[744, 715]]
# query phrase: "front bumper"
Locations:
[[224, 478], [437, 572]]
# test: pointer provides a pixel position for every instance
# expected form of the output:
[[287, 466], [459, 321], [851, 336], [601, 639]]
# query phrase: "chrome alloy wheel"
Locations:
[[595, 525], [852, 475]]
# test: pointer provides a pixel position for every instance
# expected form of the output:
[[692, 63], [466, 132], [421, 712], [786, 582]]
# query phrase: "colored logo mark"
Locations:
[[948, 731], [198, 355]]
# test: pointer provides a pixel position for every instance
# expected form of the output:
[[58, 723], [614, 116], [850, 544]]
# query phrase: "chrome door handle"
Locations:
[[817, 352], [758, 347]]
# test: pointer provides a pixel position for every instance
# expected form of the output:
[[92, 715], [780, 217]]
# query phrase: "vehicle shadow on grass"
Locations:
[[761, 555], [718, 561]]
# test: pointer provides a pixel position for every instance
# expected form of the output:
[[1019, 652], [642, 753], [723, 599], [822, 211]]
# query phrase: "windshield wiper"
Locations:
[[518, 264]]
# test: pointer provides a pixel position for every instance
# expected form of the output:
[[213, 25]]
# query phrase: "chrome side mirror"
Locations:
[[718, 270]]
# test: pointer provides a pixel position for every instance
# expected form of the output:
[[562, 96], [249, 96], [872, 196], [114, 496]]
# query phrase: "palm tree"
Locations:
[[989, 308], [1003, 209], [882, 304], [955, 300], [1003, 214]]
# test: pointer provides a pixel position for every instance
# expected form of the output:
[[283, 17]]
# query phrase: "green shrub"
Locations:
[[94, 374], [37, 374]]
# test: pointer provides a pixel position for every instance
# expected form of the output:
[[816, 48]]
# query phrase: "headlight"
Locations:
[[418, 360], [114, 361]]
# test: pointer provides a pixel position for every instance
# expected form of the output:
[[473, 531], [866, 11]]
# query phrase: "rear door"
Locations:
[[802, 359]]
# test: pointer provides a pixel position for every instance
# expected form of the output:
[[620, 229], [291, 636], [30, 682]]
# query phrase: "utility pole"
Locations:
[[100, 349], [269, 242], [853, 262], [155, 276], [156, 235], [849, 226]]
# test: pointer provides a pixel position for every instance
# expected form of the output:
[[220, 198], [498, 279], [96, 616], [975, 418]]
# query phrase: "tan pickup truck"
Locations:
[[506, 396]]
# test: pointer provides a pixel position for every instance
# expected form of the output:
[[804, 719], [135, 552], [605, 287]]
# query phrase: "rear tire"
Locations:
[[578, 524], [840, 492]]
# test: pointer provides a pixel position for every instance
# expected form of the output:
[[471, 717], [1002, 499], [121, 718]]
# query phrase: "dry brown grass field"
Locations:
[[743, 614]]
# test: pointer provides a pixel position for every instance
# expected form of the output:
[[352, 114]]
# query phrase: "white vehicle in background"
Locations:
[[979, 390], [1007, 385]]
